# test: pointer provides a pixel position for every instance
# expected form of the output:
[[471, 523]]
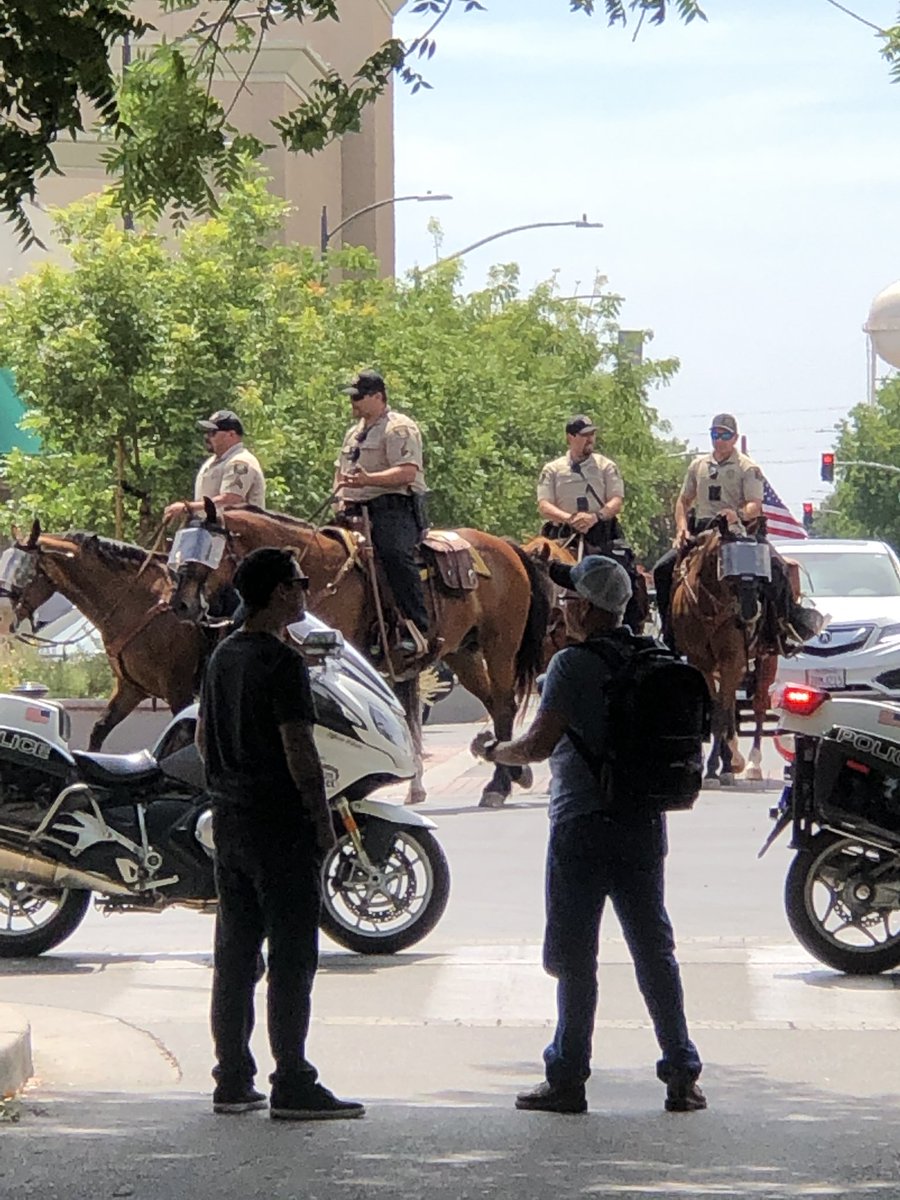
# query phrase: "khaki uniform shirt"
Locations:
[[391, 442], [729, 484], [562, 485], [236, 471]]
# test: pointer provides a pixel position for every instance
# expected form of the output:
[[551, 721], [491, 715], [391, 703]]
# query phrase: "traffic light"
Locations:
[[807, 515], [827, 468]]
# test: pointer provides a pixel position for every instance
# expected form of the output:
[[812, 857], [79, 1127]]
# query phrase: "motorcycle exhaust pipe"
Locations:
[[33, 868]]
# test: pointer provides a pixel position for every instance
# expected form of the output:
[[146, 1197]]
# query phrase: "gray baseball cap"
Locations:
[[596, 578]]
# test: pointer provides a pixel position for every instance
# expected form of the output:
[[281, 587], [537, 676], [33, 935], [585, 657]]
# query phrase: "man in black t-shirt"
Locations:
[[272, 826]]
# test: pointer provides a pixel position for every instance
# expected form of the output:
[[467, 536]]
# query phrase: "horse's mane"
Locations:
[[281, 518], [110, 551]]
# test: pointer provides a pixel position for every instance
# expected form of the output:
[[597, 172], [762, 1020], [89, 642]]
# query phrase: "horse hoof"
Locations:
[[526, 778], [492, 800], [711, 782], [415, 798], [727, 779], [754, 775]]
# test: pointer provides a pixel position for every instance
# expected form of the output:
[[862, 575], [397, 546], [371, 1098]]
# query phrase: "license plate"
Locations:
[[835, 678]]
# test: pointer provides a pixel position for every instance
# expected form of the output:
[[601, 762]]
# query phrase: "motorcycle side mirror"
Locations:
[[322, 643]]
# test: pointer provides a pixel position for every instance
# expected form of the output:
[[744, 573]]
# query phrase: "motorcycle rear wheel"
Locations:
[[35, 918], [394, 911], [826, 909]]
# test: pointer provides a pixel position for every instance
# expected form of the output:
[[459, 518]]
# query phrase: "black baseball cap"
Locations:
[[222, 420], [366, 383], [580, 424]]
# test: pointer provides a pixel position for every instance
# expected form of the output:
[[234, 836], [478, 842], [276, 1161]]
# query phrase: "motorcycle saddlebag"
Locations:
[[857, 782]]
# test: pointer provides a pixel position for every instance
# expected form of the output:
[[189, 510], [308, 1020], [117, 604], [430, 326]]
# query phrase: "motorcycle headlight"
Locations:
[[888, 634]]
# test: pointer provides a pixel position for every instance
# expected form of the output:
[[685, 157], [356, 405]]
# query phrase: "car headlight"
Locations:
[[888, 633]]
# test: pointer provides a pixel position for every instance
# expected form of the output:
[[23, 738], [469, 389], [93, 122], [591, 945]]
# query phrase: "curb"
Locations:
[[16, 1065]]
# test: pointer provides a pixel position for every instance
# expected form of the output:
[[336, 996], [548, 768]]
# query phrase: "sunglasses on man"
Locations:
[[722, 435]]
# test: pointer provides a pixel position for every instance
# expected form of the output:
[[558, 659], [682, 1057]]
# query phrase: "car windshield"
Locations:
[[847, 574]]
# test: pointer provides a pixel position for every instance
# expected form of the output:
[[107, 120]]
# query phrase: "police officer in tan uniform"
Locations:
[[380, 467], [581, 492], [580, 495], [231, 474], [721, 483]]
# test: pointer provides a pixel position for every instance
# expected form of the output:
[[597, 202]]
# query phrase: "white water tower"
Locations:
[[883, 328]]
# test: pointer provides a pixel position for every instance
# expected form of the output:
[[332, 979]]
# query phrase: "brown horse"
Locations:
[[490, 636], [124, 594], [714, 636], [545, 549]]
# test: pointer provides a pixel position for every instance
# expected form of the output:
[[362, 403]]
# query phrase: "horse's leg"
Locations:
[[471, 670], [408, 694], [125, 698], [711, 778], [728, 685]]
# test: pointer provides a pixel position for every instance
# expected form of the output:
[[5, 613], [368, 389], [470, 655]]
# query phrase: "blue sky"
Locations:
[[745, 170]]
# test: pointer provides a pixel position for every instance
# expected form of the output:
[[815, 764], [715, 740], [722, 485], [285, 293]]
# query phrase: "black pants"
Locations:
[[395, 535], [663, 572], [267, 879]]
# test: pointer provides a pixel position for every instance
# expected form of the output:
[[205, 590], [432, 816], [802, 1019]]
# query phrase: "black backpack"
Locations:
[[657, 719]]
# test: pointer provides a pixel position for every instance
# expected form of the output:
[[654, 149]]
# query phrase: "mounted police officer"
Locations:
[[721, 483], [231, 474], [580, 496], [380, 468], [726, 483]]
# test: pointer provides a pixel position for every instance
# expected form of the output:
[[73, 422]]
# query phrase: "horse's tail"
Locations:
[[529, 654]]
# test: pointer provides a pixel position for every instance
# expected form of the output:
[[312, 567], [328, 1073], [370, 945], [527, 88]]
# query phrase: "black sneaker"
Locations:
[[546, 1097], [316, 1104], [684, 1097], [238, 1100]]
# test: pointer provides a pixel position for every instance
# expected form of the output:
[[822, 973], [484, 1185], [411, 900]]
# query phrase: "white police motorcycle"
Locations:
[[135, 830], [842, 802]]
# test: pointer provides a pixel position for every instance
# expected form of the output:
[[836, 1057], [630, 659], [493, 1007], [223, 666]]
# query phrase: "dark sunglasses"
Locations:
[[721, 435]]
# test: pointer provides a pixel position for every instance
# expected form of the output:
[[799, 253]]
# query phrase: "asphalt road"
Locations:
[[800, 1061]]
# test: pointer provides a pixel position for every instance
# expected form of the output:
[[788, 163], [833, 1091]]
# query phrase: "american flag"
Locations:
[[780, 521], [39, 716]]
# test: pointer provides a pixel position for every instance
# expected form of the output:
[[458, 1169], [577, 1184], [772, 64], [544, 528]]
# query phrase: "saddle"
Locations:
[[444, 557]]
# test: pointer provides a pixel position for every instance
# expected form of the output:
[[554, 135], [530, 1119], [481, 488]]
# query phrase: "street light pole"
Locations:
[[584, 223], [326, 234]]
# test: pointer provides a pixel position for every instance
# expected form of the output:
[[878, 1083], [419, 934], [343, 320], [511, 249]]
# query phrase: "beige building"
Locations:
[[348, 175]]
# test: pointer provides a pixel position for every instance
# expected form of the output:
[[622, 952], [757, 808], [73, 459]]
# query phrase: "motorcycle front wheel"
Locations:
[[35, 918], [841, 901], [393, 906]]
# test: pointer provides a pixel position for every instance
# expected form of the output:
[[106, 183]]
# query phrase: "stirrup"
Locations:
[[418, 638]]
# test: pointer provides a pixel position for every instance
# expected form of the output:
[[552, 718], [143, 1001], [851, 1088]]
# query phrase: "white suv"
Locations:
[[857, 583]]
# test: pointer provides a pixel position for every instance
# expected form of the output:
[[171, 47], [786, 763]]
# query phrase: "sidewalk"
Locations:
[[15, 1050]]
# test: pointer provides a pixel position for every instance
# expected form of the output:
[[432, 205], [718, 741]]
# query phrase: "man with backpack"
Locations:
[[622, 721]]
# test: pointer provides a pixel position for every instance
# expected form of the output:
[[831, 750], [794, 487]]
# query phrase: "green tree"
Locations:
[[172, 141], [866, 500], [118, 356]]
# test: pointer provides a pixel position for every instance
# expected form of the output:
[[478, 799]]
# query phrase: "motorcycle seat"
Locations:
[[116, 768]]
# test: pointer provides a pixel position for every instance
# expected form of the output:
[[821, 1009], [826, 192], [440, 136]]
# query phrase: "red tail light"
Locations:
[[802, 701]]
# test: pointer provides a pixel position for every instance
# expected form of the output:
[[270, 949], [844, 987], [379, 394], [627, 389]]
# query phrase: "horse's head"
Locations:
[[24, 585], [545, 551], [199, 563]]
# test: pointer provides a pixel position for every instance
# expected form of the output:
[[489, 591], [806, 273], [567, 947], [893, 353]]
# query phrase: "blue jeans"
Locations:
[[589, 858]]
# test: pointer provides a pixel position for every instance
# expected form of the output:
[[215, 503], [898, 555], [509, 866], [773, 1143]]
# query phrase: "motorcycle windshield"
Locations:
[[197, 546], [17, 568]]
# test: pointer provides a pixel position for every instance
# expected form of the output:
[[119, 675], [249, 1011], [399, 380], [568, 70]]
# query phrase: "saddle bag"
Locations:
[[657, 718]]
